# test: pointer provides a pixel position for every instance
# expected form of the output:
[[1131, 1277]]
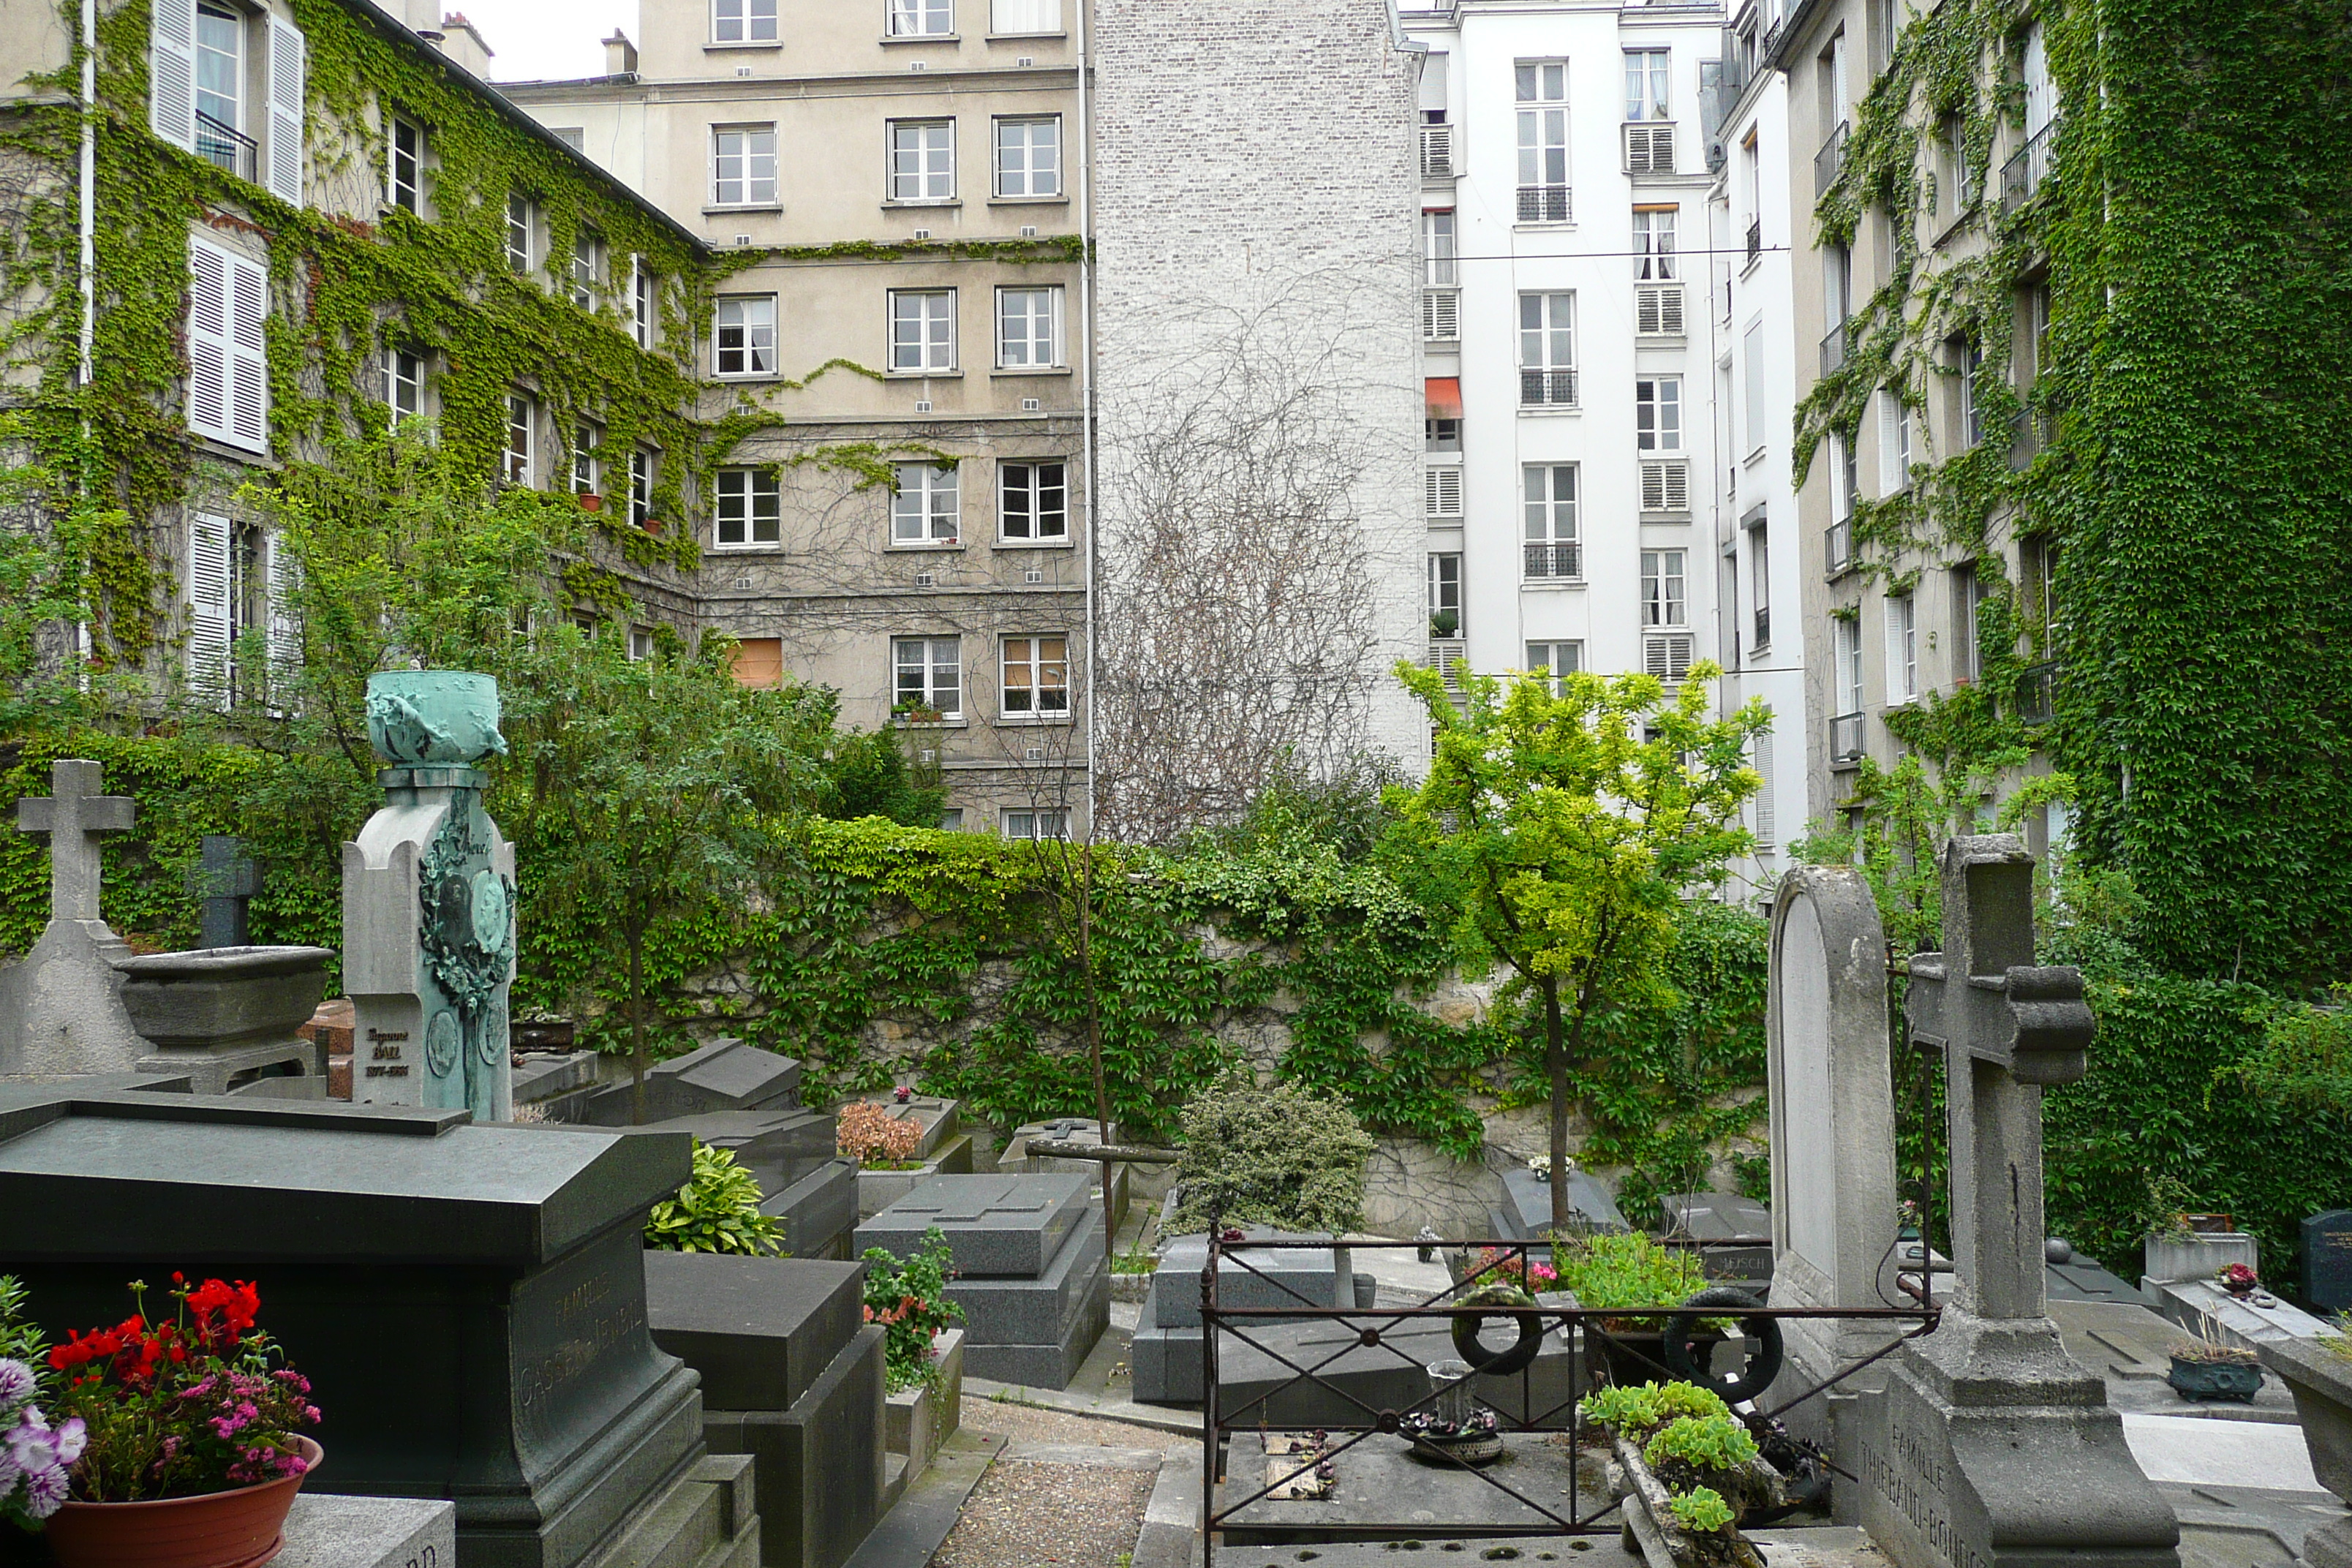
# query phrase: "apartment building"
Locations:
[[1578, 435], [899, 351]]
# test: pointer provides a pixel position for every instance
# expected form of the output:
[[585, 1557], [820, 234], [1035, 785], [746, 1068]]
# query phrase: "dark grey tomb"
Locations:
[[2327, 1259], [725, 1075], [225, 879]]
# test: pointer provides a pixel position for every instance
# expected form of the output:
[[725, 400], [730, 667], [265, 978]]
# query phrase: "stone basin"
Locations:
[[223, 996]]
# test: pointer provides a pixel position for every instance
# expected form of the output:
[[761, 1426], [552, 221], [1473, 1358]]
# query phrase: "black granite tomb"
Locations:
[[2327, 1259], [725, 1075]]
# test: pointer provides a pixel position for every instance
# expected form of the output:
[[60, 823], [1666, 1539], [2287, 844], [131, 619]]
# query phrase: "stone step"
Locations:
[[706, 1519]]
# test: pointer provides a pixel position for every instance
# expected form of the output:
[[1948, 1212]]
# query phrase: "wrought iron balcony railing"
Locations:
[[1845, 739], [1545, 204], [227, 146], [1829, 160], [2022, 174], [1553, 388], [1559, 560]]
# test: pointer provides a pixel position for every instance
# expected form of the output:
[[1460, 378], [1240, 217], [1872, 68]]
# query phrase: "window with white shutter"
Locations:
[[1443, 490], [285, 620], [172, 71], [209, 609], [1658, 309], [229, 372], [1665, 485], [1894, 443], [284, 152]]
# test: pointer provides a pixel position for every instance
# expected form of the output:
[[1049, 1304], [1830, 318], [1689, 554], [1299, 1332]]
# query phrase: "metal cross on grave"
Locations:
[[2006, 1027], [73, 815], [224, 879]]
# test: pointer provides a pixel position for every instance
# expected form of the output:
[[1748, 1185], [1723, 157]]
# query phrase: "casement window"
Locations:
[[749, 509], [1751, 347], [587, 458], [743, 165], [1032, 500], [1543, 94], [587, 267], [1647, 73], [404, 166], [1549, 493], [2037, 564], [1665, 598], [921, 18], [1025, 16], [1968, 595], [228, 373], [1847, 471], [1026, 823], [1654, 244], [1036, 678], [1555, 660], [201, 73], [1438, 249], [522, 430], [641, 487], [922, 329], [922, 160], [1548, 350], [1759, 581], [1658, 413], [924, 506], [1902, 648], [240, 584], [1029, 157], [404, 386], [760, 662], [2040, 93], [743, 340], [1967, 358], [522, 223], [952, 820], [1441, 434], [1445, 595], [929, 673], [1895, 451], [645, 294], [1029, 328], [220, 68], [1845, 648], [641, 643], [743, 21]]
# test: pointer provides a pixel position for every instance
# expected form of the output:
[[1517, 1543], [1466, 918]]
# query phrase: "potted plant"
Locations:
[[1618, 1274], [2239, 1279], [191, 1452], [913, 712], [1443, 624], [591, 501], [922, 1354], [35, 1455], [2208, 1367]]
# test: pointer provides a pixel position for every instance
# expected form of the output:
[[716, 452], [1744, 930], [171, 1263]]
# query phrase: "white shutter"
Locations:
[[1892, 469], [1667, 655], [1441, 315], [1665, 485], [209, 347], [248, 347], [285, 619], [1442, 488], [1437, 151], [208, 635], [1650, 149], [172, 71], [1767, 827], [1658, 309], [285, 150]]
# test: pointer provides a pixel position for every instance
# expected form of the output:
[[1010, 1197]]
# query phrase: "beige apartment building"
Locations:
[[897, 367]]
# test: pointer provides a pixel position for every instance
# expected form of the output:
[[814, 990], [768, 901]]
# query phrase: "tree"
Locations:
[[1572, 815]]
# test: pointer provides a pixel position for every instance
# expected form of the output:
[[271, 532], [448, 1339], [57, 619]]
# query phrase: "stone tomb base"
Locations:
[[819, 1210], [1383, 1493], [1166, 1354], [1260, 1382]]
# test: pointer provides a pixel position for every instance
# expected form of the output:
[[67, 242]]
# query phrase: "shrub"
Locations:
[[1281, 1155], [910, 1301], [1701, 1510], [1530, 1274], [1709, 1444], [1636, 1407], [1619, 1273], [717, 1210], [878, 1139]]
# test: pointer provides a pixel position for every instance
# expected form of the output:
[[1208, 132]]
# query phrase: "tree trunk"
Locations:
[[1094, 1028], [1556, 1065], [638, 1028]]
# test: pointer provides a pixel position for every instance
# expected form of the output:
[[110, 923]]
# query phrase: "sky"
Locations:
[[537, 40]]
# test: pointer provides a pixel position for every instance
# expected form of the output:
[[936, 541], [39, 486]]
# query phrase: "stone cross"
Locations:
[[2006, 1027], [224, 878], [73, 817]]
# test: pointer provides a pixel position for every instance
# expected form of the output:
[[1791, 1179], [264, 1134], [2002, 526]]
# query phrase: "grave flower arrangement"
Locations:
[[910, 1301], [1501, 1265], [1616, 1274], [34, 1455], [2240, 1281], [875, 1138]]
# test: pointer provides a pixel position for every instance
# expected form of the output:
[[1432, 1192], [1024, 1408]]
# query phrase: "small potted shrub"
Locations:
[[877, 1140], [922, 1353], [2208, 1367], [1617, 1274], [717, 1210]]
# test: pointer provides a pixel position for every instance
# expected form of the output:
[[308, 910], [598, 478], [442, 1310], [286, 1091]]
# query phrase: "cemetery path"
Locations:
[[1069, 1491]]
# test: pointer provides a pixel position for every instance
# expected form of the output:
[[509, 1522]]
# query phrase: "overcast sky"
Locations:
[[537, 40]]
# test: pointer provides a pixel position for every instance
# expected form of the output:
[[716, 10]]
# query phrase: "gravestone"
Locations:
[[2327, 1259], [223, 880], [428, 903], [1525, 1214], [1989, 1446], [819, 1210], [61, 1004], [726, 1074], [1832, 1110], [1108, 1177], [1734, 1233], [1167, 1359]]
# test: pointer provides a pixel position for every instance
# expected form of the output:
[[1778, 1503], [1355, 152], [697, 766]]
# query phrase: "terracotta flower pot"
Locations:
[[591, 501], [240, 1529]]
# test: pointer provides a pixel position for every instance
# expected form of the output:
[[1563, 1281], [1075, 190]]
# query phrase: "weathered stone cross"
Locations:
[[2006, 1029], [73, 817], [224, 878]]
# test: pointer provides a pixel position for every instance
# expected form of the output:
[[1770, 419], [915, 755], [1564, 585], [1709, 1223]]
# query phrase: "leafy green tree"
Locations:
[[1573, 816], [868, 775]]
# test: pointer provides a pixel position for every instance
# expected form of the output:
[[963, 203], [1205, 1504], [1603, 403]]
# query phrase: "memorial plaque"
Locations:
[[2327, 1259]]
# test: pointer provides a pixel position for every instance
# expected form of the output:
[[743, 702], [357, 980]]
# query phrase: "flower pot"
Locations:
[[591, 501], [2215, 1380], [240, 1529], [2321, 1382]]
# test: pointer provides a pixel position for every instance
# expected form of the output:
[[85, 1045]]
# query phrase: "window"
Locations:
[[522, 421], [1441, 434], [1654, 244], [760, 662], [1901, 648], [743, 165], [1953, 191], [1445, 595], [1829, 80], [1028, 328], [228, 375], [404, 390], [1752, 348], [1966, 358], [1759, 581], [641, 487], [1437, 249], [1550, 501], [1646, 72], [1837, 290], [1030, 824], [922, 329], [522, 219], [750, 510], [743, 21], [1845, 643], [644, 291], [922, 160], [1658, 413], [1554, 659], [239, 584], [920, 18], [641, 643], [1029, 157], [1036, 678], [1032, 500], [952, 820], [1548, 349], [1025, 16], [1767, 817], [2040, 96], [1849, 477], [2037, 562], [1441, 486], [929, 676], [1895, 442], [1666, 600], [1542, 92], [404, 166], [923, 506], [220, 67], [745, 339], [587, 268], [573, 136], [1967, 593], [587, 458]]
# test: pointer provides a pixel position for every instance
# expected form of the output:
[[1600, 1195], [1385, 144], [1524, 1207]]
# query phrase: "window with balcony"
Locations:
[[1647, 73], [1036, 678], [743, 337], [1548, 350], [1032, 502], [929, 682], [1445, 595], [1542, 95], [404, 166], [922, 160], [220, 81], [1658, 413], [1029, 157], [518, 467], [1555, 660], [743, 165], [924, 505], [748, 509], [743, 21], [921, 18], [1551, 547], [1029, 329], [1901, 648], [922, 329], [1667, 644], [1844, 481]]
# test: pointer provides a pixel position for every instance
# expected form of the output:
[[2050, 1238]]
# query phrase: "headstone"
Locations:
[[227, 1018], [225, 879], [2327, 1259], [62, 1005], [1734, 1233], [726, 1074], [1991, 1447], [468, 1301], [429, 903], [1527, 1211], [1832, 1107], [1083, 1130], [1167, 1358]]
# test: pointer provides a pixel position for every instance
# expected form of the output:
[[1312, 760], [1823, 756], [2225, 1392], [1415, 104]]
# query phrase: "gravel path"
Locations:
[[1030, 1424], [1028, 1513]]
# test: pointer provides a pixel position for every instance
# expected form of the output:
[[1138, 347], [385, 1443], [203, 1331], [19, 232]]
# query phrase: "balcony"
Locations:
[[1755, 239], [1546, 389], [1845, 740], [1437, 152], [2028, 434], [1763, 628], [1835, 346], [2022, 174], [2037, 692], [1563, 561], [1545, 204], [227, 146], [1831, 160], [1837, 546]]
